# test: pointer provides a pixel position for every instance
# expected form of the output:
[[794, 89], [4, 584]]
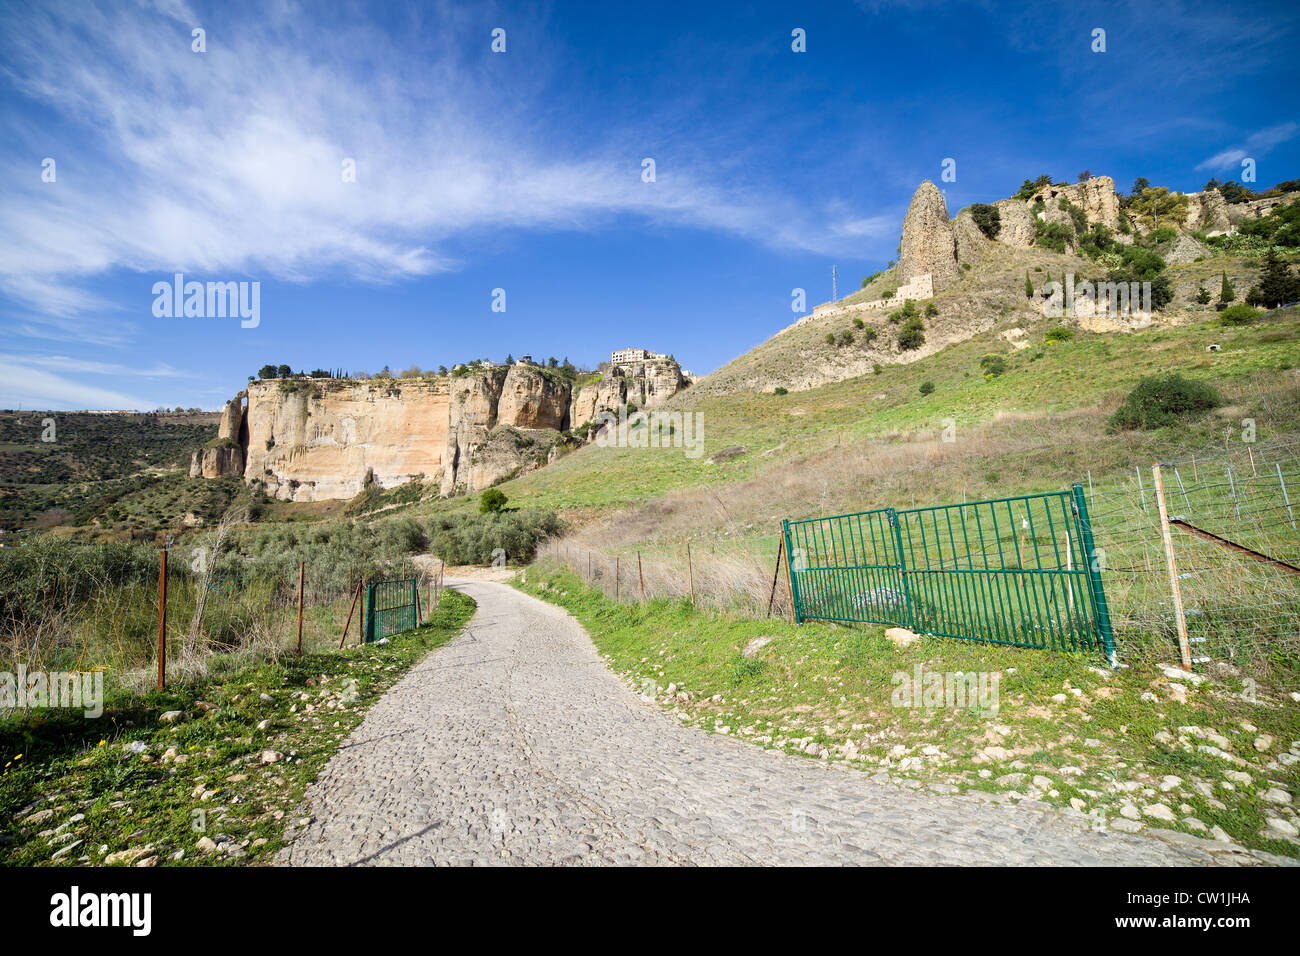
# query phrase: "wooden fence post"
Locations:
[[162, 620], [640, 578], [302, 576], [616, 578], [690, 571], [1184, 647]]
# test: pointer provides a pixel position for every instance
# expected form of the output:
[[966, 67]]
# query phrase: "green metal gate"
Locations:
[[391, 607], [1019, 571]]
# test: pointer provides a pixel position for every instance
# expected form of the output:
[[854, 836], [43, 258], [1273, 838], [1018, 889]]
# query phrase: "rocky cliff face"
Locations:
[[644, 384], [225, 456], [1096, 197], [312, 439], [928, 244]]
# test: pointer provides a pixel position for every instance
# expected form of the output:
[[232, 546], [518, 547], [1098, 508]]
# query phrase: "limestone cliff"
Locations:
[[1096, 197], [644, 384], [928, 244], [312, 439]]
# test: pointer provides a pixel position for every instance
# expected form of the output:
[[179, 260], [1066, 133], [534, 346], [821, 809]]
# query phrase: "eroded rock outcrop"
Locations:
[[644, 384], [1096, 197], [1017, 223], [218, 461], [928, 244], [1207, 212], [312, 439]]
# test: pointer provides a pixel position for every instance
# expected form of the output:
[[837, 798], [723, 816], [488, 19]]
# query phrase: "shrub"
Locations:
[[1226, 291], [780, 390], [858, 323], [1161, 400], [927, 387], [830, 338], [993, 365], [1029, 286], [846, 337], [472, 538], [492, 501], [931, 310], [1239, 315], [987, 218], [876, 369], [1277, 285], [1061, 333], [911, 335]]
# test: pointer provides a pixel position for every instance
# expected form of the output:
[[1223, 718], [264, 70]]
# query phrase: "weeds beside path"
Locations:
[[206, 773]]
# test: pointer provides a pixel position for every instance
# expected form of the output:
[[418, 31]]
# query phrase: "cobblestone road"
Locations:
[[515, 744]]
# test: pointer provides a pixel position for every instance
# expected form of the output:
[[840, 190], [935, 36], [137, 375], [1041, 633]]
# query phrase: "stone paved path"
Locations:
[[515, 744]]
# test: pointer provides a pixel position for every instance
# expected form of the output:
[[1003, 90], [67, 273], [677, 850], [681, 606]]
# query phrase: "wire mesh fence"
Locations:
[[1234, 513], [1233, 530]]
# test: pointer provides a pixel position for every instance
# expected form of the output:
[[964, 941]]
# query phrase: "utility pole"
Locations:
[[835, 294]]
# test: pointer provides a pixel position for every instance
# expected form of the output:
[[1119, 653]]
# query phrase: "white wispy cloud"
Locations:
[[228, 162], [1257, 144], [31, 387]]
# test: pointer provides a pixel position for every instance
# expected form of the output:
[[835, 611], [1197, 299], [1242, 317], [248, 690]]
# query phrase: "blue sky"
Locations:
[[522, 170]]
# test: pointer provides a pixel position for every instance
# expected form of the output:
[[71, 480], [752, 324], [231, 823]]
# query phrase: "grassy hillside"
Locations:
[[1070, 385], [989, 296], [68, 467]]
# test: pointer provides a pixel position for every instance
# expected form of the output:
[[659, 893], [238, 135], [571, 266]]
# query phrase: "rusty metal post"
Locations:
[[162, 620], [356, 594], [302, 575], [1184, 647]]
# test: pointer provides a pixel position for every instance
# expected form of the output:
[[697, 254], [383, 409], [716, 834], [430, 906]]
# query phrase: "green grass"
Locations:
[[1090, 370], [817, 686], [216, 786]]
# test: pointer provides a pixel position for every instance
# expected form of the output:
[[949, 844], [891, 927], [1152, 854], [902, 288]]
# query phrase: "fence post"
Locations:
[[162, 620], [415, 602], [1141, 490], [1184, 648], [690, 573], [370, 614], [640, 578], [347, 624], [302, 574], [791, 588], [1094, 573], [616, 578], [1285, 499]]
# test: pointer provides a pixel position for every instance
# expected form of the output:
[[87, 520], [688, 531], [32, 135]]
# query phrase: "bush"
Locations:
[[987, 218], [858, 323], [780, 390], [472, 538], [911, 335], [993, 365], [931, 310], [1061, 333], [1161, 400], [927, 387], [492, 501], [1239, 315]]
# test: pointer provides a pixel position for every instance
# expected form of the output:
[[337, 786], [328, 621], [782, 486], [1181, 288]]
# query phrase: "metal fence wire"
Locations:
[[1020, 571], [391, 608]]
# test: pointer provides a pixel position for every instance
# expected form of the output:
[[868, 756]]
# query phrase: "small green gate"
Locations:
[[391, 608], [1019, 571]]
